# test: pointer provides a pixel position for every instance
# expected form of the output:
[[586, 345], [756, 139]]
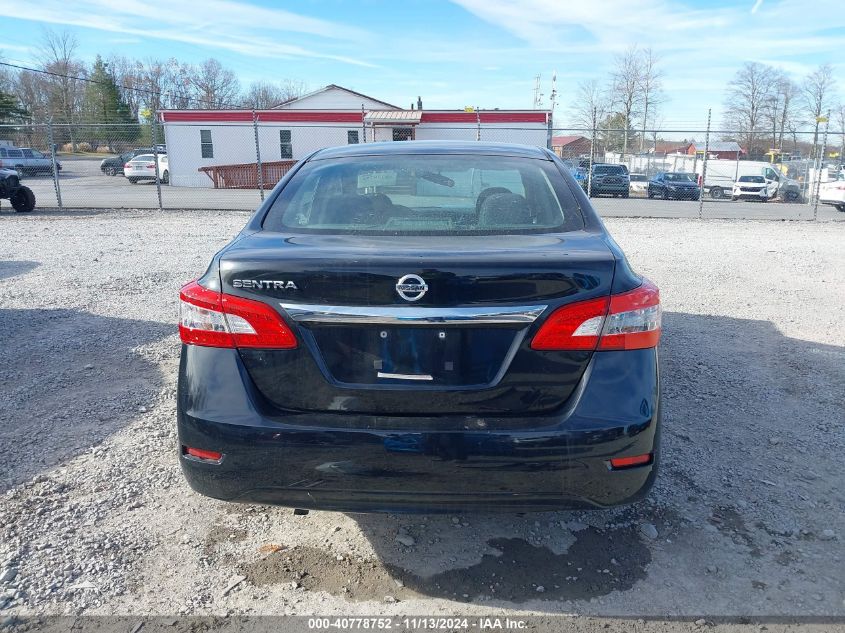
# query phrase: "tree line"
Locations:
[[763, 107], [122, 92]]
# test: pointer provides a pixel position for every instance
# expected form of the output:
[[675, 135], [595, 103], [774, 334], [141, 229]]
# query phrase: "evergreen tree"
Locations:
[[10, 110], [111, 116]]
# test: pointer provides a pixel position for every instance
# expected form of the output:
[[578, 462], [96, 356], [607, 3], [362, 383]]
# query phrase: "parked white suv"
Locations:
[[26, 160], [754, 188]]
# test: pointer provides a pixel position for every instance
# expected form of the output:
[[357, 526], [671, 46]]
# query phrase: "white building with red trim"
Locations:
[[328, 117]]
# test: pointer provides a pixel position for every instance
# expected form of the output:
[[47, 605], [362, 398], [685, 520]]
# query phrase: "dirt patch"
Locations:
[[223, 534], [313, 569], [729, 522], [597, 563]]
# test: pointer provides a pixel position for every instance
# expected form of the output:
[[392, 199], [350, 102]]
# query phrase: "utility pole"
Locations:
[[538, 96]]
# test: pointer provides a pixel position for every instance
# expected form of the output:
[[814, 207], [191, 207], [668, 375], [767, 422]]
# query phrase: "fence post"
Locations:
[[478, 123], [704, 167], [154, 138], [53, 164], [819, 170], [592, 153], [258, 156], [548, 134], [363, 124]]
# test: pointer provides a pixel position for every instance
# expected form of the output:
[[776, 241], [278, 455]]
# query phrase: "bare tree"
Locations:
[[651, 87], [127, 76], [57, 54], [153, 76], [589, 106], [626, 89], [748, 97], [7, 79], [817, 89], [215, 86], [179, 86], [781, 107], [32, 91], [265, 94]]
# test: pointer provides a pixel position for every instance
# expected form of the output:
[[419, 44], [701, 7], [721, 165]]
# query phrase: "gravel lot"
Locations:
[[95, 518]]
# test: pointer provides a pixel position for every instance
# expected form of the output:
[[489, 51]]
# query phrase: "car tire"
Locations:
[[766, 199], [665, 194], [626, 194], [650, 194], [23, 200], [110, 171], [840, 207], [791, 196], [165, 177], [716, 193], [134, 181]]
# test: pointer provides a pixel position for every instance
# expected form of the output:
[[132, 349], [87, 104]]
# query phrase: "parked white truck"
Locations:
[[722, 174]]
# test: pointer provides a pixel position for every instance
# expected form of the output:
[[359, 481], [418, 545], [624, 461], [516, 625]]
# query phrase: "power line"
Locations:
[[124, 87]]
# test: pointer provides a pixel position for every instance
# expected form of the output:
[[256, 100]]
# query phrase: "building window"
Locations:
[[206, 146], [285, 145], [403, 133], [352, 137]]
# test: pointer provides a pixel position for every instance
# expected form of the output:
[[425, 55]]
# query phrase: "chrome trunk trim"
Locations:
[[384, 374], [412, 315]]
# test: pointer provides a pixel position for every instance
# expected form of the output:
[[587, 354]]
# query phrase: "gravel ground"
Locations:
[[746, 517]]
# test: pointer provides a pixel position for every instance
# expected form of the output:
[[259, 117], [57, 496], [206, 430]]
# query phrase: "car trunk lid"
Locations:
[[417, 325]]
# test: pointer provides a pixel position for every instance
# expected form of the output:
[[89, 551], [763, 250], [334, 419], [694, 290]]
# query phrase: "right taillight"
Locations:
[[630, 320], [213, 319]]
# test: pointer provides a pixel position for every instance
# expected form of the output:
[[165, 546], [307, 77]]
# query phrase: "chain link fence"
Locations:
[[233, 164]]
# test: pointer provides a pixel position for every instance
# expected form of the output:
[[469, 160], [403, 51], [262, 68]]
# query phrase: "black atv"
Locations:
[[21, 196]]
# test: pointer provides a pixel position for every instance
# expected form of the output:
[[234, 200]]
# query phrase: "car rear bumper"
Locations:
[[332, 461], [622, 188]]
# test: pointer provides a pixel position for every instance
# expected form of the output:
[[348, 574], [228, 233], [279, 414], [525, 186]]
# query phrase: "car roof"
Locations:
[[397, 148]]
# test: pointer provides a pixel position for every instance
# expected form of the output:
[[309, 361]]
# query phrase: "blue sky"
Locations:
[[453, 53]]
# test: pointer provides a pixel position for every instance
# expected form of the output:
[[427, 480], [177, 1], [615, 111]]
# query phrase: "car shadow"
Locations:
[[13, 268], [69, 379], [732, 390]]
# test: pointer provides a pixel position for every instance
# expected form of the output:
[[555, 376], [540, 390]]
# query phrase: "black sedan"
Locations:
[[421, 327], [678, 185]]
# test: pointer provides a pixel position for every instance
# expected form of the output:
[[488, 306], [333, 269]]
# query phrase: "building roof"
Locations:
[[668, 147], [432, 147], [720, 146], [333, 87], [393, 116], [562, 141], [351, 116]]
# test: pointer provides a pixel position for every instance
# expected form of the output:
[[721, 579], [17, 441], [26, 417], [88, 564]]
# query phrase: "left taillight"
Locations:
[[629, 320], [213, 319]]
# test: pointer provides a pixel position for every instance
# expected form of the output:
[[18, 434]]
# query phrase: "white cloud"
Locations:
[[786, 28], [238, 27]]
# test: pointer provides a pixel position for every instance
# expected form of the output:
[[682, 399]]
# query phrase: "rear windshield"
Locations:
[[678, 177], [757, 179], [425, 194], [610, 169], [638, 178], [142, 157]]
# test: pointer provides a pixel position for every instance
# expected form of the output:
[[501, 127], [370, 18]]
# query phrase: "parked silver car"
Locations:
[[26, 160]]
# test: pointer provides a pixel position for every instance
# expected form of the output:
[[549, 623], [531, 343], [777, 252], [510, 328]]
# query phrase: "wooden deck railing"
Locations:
[[245, 175]]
